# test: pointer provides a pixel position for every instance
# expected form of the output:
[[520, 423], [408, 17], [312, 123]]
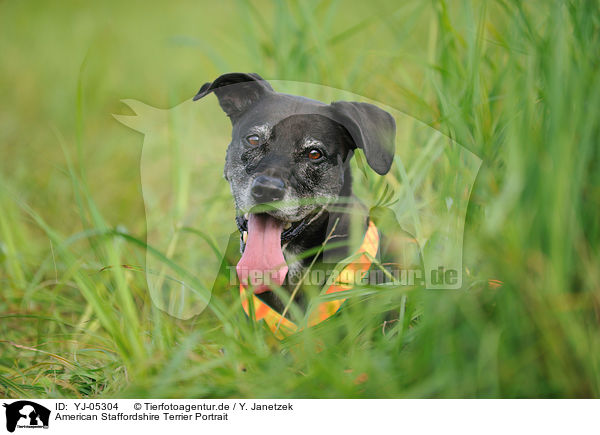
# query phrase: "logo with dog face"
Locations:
[[25, 414], [419, 179]]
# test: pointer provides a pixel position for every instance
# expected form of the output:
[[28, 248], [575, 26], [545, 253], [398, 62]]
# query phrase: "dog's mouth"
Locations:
[[290, 230], [262, 263]]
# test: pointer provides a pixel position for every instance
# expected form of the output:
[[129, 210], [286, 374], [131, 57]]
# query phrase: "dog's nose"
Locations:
[[267, 189]]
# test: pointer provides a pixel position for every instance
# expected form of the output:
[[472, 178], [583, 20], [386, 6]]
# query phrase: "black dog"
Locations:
[[13, 414], [288, 167]]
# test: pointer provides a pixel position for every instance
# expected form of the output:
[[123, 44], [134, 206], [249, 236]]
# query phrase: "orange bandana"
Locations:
[[282, 327]]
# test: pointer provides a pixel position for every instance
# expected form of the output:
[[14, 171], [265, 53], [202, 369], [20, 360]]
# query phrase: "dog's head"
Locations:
[[292, 149], [288, 157]]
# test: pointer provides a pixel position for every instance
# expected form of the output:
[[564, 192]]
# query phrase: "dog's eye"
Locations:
[[253, 140], [315, 154]]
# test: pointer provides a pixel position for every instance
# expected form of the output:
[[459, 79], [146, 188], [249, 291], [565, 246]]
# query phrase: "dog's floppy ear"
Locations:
[[373, 131], [236, 91]]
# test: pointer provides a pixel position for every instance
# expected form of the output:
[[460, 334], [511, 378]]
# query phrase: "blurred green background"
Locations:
[[516, 83]]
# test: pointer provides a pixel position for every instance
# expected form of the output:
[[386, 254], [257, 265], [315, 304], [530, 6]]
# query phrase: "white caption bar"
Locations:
[[117, 416]]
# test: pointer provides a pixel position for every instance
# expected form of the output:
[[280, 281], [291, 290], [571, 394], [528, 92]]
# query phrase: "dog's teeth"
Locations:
[[246, 216], [245, 236], [287, 226]]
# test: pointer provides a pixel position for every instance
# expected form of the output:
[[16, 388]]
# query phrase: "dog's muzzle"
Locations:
[[267, 189]]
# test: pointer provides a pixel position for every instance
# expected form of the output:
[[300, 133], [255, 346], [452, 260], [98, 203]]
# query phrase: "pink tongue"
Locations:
[[262, 262]]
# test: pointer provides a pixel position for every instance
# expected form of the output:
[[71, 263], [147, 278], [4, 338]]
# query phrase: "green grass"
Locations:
[[516, 83]]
